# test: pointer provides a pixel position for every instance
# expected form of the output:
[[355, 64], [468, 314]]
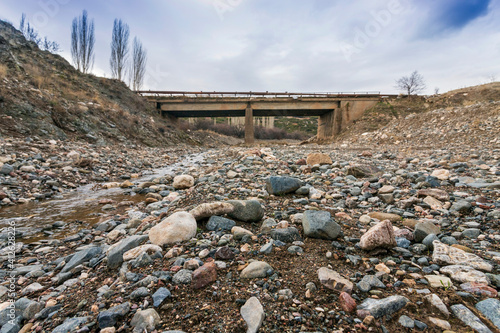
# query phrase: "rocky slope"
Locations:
[[42, 95], [468, 116]]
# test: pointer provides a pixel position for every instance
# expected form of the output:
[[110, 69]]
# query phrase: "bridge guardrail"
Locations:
[[257, 94]]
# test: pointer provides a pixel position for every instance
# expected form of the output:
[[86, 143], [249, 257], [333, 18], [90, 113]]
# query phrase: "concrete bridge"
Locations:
[[335, 110]]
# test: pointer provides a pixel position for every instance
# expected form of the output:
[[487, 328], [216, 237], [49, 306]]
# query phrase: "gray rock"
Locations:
[[427, 241], [81, 257], [373, 281], [145, 320], [10, 327], [282, 185], [449, 240], [490, 308], [267, 248], [294, 249], [115, 255], [461, 206], [246, 210], [382, 307], [110, 317], [71, 325], [256, 269], [253, 314], [139, 293], [406, 321], [471, 233], [320, 224], [468, 318], [184, 276], [217, 223], [6, 169], [286, 235], [423, 229], [268, 225], [160, 295]]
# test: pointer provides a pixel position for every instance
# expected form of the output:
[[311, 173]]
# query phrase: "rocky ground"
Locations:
[[273, 239]]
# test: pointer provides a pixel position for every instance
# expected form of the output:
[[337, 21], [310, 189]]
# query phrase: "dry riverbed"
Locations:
[[278, 239]]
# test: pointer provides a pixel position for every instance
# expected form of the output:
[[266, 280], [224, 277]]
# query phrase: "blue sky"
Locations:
[[288, 45]]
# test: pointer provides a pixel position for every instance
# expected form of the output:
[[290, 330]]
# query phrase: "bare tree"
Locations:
[[139, 59], [82, 43], [412, 84], [119, 49], [32, 35]]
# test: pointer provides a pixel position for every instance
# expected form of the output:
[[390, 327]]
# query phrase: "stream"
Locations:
[[80, 208]]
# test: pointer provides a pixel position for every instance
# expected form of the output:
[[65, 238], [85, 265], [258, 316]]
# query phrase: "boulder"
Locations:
[[246, 210], [318, 158], [423, 229], [178, 227], [282, 185], [183, 181], [320, 224], [360, 171], [286, 235], [380, 235], [210, 209]]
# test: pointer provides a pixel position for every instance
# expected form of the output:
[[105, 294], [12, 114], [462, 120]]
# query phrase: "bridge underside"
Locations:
[[333, 113]]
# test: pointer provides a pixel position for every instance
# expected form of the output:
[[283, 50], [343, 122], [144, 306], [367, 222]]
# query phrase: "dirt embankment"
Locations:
[[42, 95]]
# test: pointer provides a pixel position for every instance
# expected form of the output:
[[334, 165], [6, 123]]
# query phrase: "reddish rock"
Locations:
[[3, 195], [224, 253], [379, 236], [347, 303], [479, 289], [175, 269], [204, 275], [404, 233], [302, 161]]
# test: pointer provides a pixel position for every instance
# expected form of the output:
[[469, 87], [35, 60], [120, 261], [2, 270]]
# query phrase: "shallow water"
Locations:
[[80, 208]]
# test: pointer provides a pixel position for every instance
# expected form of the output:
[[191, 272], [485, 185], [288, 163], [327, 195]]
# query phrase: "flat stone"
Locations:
[[385, 216], [461, 206], [382, 307], [34, 287], [462, 273], [253, 314], [256, 269], [490, 308], [110, 317], [217, 223], [360, 171], [448, 255], [246, 210], [334, 281], [439, 281], [406, 321], [481, 289], [137, 251], [239, 232], [380, 235], [438, 303], [282, 185], [435, 193], [160, 295], [443, 324], [184, 276], [211, 209], [71, 325], [423, 229], [433, 203], [468, 318], [115, 253], [320, 224], [318, 158]]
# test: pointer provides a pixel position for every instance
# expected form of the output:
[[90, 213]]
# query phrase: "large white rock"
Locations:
[[449, 255], [183, 181], [441, 174], [253, 314], [178, 227], [462, 273]]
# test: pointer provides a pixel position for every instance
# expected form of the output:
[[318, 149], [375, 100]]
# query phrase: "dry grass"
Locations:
[[3, 71], [37, 76]]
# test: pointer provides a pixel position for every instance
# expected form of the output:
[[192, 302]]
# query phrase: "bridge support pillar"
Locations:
[[249, 126], [326, 124]]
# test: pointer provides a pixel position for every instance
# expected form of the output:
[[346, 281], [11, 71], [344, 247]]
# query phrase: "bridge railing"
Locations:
[[268, 94]]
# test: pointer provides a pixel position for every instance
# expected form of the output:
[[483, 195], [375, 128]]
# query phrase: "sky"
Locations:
[[288, 45]]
